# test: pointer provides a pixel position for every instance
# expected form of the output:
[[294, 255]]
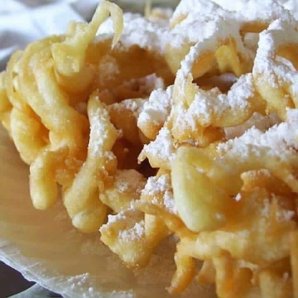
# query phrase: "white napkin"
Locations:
[[22, 21]]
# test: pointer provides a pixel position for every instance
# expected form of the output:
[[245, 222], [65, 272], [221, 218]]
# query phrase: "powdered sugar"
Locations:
[[151, 83], [280, 141], [268, 66], [113, 218], [160, 151], [291, 6], [281, 215], [248, 11], [209, 107], [205, 25], [225, 30], [241, 92], [193, 30], [100, 129], [195, 7], [169, 202], [238, 197], [128, 179], [156, 184], [129, 225], [194, 21], [261, 122], [134, 105], [138, 31], [135, 233], [157, 108], [285, 215], [159, 189], [108, 68]]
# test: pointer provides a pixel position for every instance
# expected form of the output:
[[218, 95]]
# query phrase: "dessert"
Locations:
[[183, 129]]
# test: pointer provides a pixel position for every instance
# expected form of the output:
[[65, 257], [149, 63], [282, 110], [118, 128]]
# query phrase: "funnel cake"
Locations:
[[275, 68], [170, 142], [194, 21], [61, 72]]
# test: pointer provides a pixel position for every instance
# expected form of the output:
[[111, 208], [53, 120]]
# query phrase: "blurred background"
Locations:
[[138, 5]]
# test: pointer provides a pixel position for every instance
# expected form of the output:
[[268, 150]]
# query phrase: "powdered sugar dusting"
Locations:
[[169, 202], [268, 66], [108, 68], [209, 106], [128, 179], [99, 127], [237, 197], [285, 215], [161, 150], [112, 218], [281, 214], [151, 82], [156, 184], [205, 25], [261, 122], [200, 8], [160, 192], [138, 31], [280, 141], [157, 108], [254, 10], [134, 105], [98, 131], [194, 21], [129, 225], [135, 233], [291, 6]]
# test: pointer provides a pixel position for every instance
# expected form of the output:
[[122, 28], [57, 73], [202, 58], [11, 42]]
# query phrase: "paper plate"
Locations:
[[45, 248]]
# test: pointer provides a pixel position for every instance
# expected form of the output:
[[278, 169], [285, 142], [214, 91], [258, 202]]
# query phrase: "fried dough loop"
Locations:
[[48, 103], [182, 127], [69, 56], [218, 22], [81, 199], [275, 68]]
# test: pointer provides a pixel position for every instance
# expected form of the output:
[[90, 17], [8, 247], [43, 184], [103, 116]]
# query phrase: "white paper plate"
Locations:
[[45, 248]]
